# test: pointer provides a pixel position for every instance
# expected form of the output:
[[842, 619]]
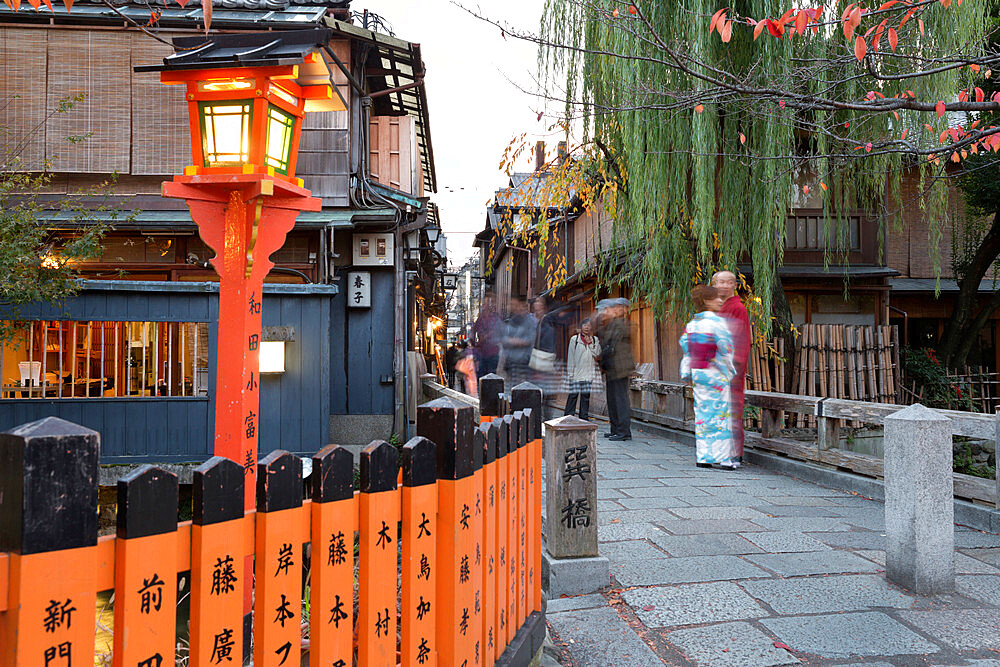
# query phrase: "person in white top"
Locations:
[[581, 368]]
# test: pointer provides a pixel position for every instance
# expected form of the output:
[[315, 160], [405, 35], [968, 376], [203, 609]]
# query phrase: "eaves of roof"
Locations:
[[180, 220], [929, 285], [234, 14], [399, 64]]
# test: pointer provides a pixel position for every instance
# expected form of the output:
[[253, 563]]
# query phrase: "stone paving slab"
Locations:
[[600, 637], [667, 491], [991, 556], [729, 645], [855, 539], [630, 550], [692, 604], [802, 524], [575, 603], [750, 513], [719, 544], [628, 483], [963, 564], [684, 570], [784, 541], [634, 516], [617, 532], [848, 635], [851, 592], [983, 588], [965, 539], [656, 502], [814, 562], [693, 527], [963, 629], [799, 501]]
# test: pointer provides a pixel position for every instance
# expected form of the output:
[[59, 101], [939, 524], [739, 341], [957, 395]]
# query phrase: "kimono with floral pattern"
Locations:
[[708, 365]]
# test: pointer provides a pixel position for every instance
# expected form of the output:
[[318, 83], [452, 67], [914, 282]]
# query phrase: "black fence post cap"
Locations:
[[279, 482], [419, 462], [217, 491], [332, 474], [512, 428], [527, 395], [379, 467], [48, 486], [489, 432], [147, 503], [448, 424], [490, 395]]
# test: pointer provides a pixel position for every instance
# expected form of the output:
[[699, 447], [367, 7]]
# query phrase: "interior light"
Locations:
[[225, 132], [272, 357], [279, 138], [226, 84]]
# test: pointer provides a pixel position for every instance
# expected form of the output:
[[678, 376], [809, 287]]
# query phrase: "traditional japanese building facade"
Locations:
[[133, 354]]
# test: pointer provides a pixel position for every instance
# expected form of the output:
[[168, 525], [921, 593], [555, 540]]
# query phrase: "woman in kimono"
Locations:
[[708, 365]]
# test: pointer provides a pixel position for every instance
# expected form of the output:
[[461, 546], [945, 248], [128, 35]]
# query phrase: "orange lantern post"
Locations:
[[247, 95]]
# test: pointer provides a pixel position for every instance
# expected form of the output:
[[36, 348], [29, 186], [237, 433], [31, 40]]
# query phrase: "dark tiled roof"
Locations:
[[272, 5]]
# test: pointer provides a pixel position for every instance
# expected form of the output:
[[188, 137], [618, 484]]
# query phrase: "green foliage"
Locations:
[[964, 461], [37, 264], [935, 388], [712, 184]]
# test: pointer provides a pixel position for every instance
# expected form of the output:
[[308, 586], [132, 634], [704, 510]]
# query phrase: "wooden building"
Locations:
[[888, 276], [133, 355]]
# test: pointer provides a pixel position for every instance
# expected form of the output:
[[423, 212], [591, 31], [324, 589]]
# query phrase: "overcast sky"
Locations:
[[475, 106]]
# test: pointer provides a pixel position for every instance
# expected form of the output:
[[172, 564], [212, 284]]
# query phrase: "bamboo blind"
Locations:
[[98, 65], [160, 135], [22, 73]]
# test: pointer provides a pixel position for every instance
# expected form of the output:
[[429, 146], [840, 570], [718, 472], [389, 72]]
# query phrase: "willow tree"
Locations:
[[720, 113]]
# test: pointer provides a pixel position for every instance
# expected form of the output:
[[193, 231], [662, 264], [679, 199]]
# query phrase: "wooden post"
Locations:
[[528, 398], [514, 457], [486, 439], [334, 522], [827, 432], [688, 415], [490, 397], [377, 554], [146, 568], [571, 489], [996, 460], [277, 628], [770, 423], [217, 572], [449, 425], [419, 557], [53, 553], [503, 509]]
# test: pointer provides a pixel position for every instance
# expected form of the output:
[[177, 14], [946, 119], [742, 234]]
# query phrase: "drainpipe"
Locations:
[[906, 323]]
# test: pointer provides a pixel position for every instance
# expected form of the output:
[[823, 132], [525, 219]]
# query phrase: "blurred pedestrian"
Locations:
[[739, 326], [466, 367], [543, 351], [581, 368], [487, 331], [517, 342], [450, 359], [708, 366], [618, 365]]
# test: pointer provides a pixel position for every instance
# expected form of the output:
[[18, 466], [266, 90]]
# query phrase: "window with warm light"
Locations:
[[225, 131], [272, 357], [279, 139]]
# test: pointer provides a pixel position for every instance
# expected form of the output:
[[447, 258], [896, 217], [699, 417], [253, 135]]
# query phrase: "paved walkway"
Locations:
[[728, 568]]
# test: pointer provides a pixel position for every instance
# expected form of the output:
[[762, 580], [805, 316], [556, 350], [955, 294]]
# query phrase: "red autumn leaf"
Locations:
[[847, 125], [980, 95], [781, 103], [801, 20], [893, 39], [939, 108], [633, 10], [868, 147], [614, 14], [963, 95], [776, 29], [955, 157], [743, 138], [878, 34], [953, 133], [727, 32], [206, 8], [974, 67], [848, 29], [920, 24], [805, 189], [946, 3], [860, 49], [856, 16], [929, 128], [822, 185], [760, 26], [715, 19], [942, 136], [782, 645], [906, 18], [699, 108], [539, 116], [887, 5], [902, 137]]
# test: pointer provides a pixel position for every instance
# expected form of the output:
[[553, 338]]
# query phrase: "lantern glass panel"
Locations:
[[279, 139], [225, 131]]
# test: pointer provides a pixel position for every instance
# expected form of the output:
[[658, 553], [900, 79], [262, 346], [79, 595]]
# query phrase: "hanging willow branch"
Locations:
[[720, 115]]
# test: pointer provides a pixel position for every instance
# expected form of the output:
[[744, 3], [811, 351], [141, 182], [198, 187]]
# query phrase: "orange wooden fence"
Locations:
[[443, 569]]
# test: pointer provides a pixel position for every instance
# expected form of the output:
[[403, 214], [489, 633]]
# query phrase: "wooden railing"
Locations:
[[462, 514], [671, 404]]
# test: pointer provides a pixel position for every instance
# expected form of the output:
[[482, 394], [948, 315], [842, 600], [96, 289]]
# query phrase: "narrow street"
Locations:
[[729, 568]]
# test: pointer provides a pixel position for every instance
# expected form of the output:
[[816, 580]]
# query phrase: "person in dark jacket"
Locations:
[[618, 366], [517, 342], [450, 359], [487, 333]]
